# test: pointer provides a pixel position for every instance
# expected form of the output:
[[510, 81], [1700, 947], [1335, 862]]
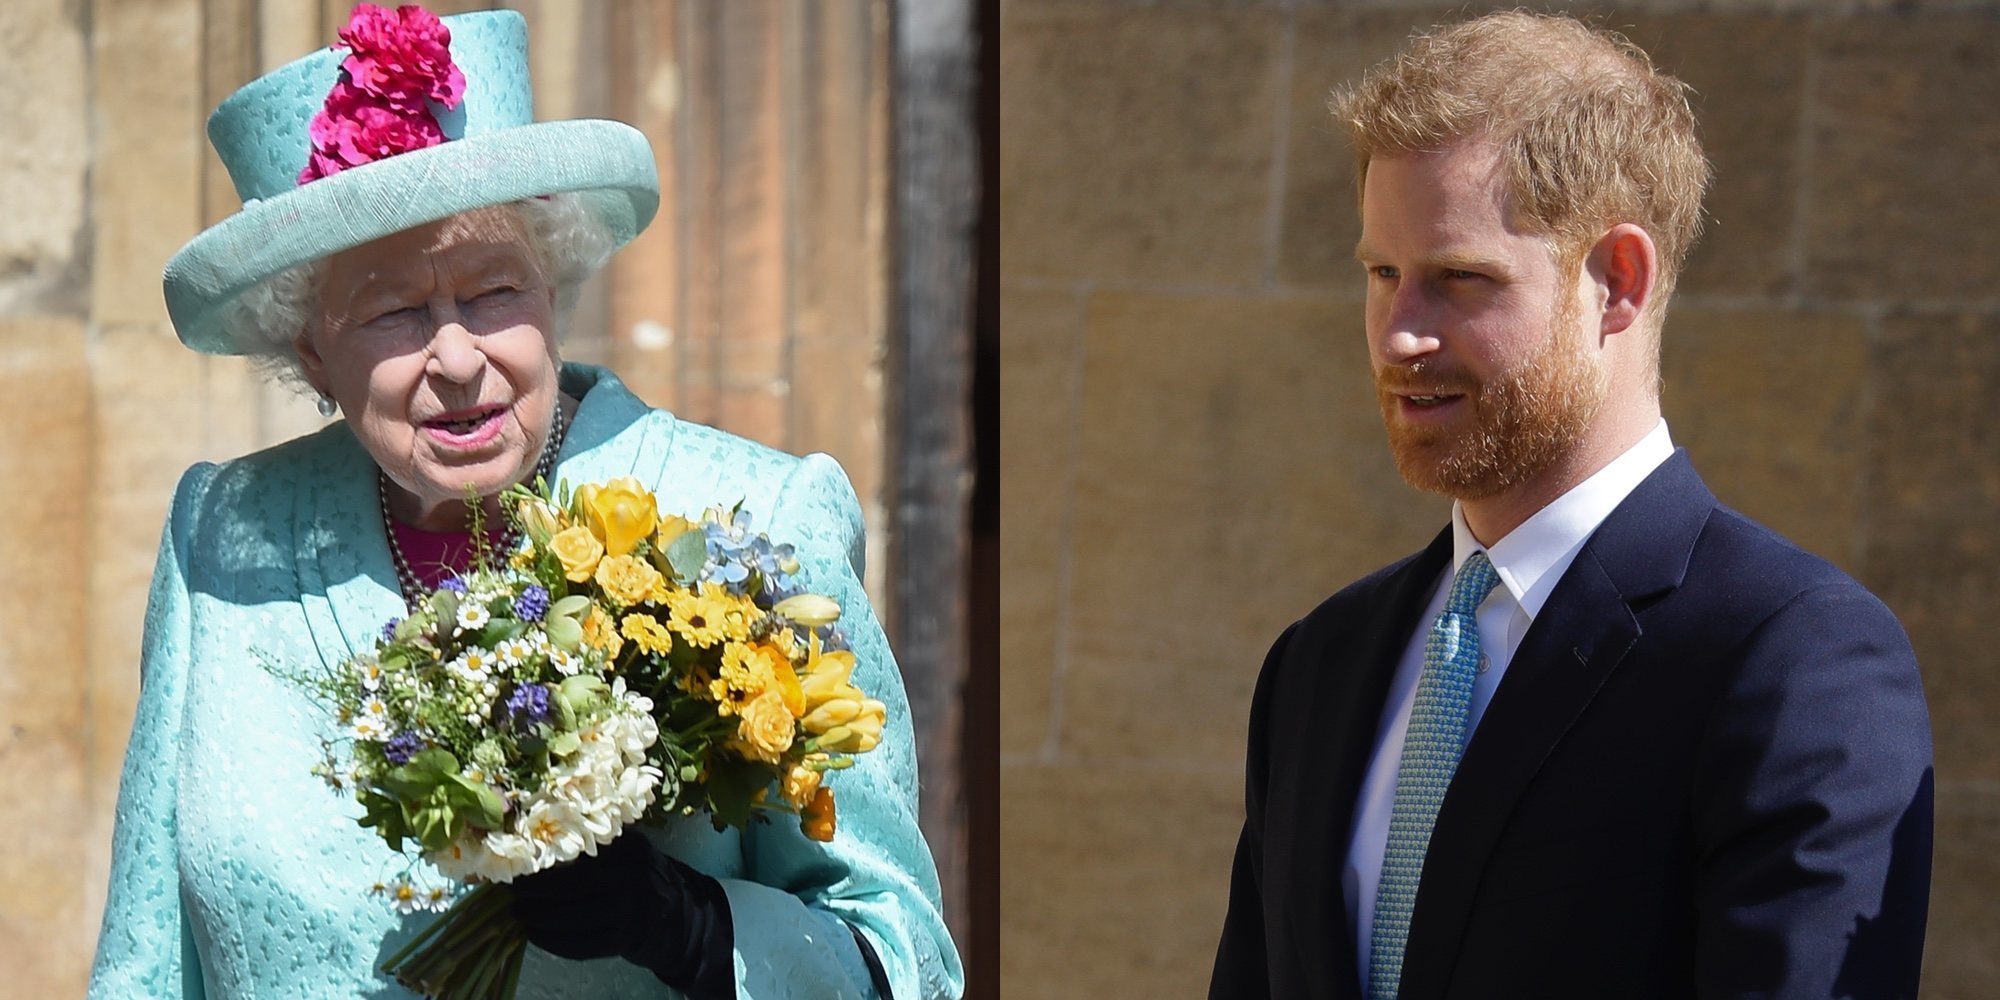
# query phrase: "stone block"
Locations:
[[1748, 74], [1933, 515], [1139, 143], [1747, 69], [1040, 346], [148, 405], [146, 179], [45, 162], [1765, 403], [1959, 957], [1231, 474], [1900, 204], [47, 628], [1117, 880], [1322, 218]]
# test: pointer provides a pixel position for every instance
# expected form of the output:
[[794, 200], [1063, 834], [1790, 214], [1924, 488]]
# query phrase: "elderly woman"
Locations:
[[407, 247]]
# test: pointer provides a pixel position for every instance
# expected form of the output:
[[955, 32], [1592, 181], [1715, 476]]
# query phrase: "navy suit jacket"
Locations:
[[1707, 772]]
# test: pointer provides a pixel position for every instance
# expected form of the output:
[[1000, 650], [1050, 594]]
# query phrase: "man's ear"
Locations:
[[1625, 267]]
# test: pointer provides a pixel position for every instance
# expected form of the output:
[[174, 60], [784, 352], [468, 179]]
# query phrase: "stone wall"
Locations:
[[1193, 458], [755, 302]]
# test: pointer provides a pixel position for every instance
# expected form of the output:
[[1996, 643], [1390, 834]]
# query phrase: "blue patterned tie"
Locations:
[[1430, 756]]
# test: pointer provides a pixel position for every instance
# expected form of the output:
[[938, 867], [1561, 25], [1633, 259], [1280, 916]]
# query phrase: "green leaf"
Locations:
[[476, 801], [420, 777], [384, 814], [571, 607], [564, 744], [434, 826], [687, 554], [584, 693], [499, 630], [445, 604], [731, 784], [565, 632]]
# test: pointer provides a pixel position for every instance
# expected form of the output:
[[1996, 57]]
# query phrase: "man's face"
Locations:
[[1487, 373]]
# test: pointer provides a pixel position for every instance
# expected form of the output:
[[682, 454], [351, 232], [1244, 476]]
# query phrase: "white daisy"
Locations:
[[565, 663], [474, 666], [370, 728], [472, 615], [514, 652]]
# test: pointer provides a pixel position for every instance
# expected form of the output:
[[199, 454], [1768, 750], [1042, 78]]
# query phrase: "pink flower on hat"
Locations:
[[396, 62], [403, 57]]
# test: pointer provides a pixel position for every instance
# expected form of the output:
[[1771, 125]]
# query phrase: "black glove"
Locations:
[[634, 902]]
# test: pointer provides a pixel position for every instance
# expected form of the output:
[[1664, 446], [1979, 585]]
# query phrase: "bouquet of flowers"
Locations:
[[622, 667]]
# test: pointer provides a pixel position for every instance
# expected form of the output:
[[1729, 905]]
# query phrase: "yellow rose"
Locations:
[[627, 579], [578, 550], [816, 819], [802, 781], [765, 729], [621, 513], [810, 610], [847, 725]]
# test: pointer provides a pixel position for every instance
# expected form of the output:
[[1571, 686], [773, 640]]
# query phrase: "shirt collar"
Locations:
[[1553, 534]]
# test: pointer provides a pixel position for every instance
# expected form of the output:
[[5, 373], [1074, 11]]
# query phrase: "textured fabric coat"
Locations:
[[237, 873], [1706, 772]]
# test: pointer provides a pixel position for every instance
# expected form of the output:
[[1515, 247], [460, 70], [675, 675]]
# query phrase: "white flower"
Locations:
[[472, 615], [369, 728], [473, 667], [403, 896], [513, 652], [369, 672], [558, 830], [565, 664]]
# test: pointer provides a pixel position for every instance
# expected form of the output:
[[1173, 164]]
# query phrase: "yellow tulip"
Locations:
[[538, 521], [859, 732], [621, 513], [578, 550], [810, 610]]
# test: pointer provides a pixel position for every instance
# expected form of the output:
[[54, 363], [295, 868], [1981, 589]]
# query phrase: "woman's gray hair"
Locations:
[[269, 316]]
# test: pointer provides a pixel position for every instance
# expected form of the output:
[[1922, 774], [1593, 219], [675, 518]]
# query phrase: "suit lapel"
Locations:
[[1350, 686], [1581, 636]]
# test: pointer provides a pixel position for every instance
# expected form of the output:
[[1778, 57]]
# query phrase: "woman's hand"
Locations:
[[634, 902]]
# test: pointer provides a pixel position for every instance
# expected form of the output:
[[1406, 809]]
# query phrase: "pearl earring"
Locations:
[[327, 406]]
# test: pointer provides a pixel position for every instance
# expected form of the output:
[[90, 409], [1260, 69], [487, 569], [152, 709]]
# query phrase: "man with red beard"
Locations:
[[1604, 737]]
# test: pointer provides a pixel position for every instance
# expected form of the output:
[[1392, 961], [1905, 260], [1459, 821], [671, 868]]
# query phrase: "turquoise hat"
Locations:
[[494, 152]]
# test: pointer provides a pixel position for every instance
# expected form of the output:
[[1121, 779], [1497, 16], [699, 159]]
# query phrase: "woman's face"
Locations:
[[436, 342]]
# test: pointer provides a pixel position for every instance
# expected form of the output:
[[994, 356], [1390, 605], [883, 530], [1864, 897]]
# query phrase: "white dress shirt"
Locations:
[[1529, 561]]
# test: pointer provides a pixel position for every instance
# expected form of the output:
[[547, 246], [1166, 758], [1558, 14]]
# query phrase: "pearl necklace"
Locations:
[[406, 578]]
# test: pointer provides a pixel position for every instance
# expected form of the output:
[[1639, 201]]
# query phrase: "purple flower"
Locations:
[[455, 585], [529, 703], [402, 746], [389, 629], [532, 604]]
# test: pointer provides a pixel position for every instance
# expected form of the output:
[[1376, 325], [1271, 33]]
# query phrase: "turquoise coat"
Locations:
[[237, 873]]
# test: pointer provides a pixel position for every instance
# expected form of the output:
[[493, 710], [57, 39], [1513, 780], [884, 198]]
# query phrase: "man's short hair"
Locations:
[[1591, 133]]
